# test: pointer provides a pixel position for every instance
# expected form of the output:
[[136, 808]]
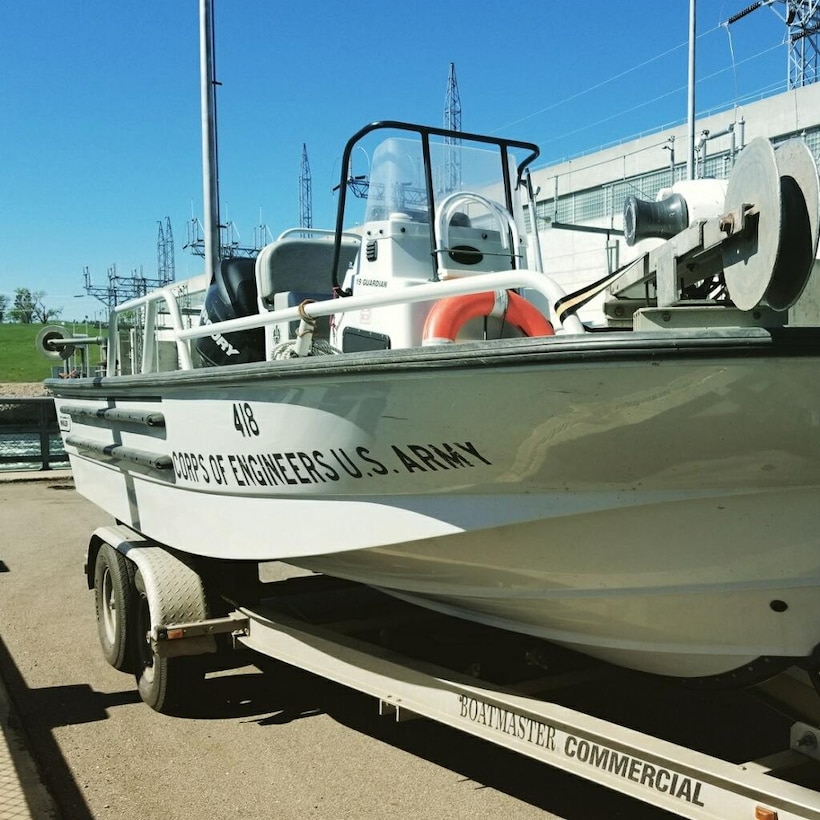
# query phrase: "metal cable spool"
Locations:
[[799, 195], [52, 333], [771, 265]]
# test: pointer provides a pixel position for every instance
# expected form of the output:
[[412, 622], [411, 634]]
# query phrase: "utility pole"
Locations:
[[690, 155], [210, 176]]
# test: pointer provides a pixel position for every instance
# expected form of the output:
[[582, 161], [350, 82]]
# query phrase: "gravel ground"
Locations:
[[22, 390]]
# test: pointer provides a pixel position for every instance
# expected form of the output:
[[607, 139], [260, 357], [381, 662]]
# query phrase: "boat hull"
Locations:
[[647, 501]]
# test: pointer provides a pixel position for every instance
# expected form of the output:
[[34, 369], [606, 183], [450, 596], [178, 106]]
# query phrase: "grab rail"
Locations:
[[503, 280], [433, 291]]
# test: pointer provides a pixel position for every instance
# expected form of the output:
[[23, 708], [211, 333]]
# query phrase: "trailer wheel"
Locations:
[[163, 682], [113, 598]]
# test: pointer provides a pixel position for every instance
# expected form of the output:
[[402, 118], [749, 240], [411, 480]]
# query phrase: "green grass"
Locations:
[[21, 361]]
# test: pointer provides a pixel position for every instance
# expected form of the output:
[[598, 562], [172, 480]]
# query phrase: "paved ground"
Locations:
[[23, 794], [283, 744], [286, 745]]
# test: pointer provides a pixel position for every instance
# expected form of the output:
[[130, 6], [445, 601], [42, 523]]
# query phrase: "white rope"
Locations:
[[287, 350]]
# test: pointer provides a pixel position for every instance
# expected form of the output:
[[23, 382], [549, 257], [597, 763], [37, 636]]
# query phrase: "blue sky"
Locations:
[[100, 126]]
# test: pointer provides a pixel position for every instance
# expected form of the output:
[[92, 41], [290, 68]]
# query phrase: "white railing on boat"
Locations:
[[431, 292]]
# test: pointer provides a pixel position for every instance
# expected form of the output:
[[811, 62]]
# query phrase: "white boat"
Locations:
[[647, 496], [411, 402]]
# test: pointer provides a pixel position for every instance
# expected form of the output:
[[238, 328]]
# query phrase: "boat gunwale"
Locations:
[[598, 348]]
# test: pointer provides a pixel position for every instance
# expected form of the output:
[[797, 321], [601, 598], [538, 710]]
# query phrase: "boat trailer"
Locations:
[[153, 619]]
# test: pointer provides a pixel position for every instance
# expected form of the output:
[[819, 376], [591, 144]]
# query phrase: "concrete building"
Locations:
[[588, 192]]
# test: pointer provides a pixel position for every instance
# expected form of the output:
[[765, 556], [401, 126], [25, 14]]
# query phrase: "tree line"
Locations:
[[28, 308]]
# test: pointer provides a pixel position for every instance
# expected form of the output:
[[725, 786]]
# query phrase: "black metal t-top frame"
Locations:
[[425, 133]]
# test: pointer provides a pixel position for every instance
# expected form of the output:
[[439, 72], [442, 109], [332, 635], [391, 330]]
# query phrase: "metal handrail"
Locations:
[[149, 302], [428, 292], [41, 422]]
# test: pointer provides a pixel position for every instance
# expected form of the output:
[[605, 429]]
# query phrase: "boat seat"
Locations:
[[300, 265]]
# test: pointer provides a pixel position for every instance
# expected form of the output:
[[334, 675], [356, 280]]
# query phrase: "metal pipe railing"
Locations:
[[503, 280], [28, 425], [429, 292]]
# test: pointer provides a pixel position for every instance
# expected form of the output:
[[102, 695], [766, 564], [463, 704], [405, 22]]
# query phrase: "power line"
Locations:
[[802, 19], [601, 84], [645, 103]]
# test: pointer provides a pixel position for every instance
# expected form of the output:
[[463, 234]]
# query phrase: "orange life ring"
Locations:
[[449, 315]]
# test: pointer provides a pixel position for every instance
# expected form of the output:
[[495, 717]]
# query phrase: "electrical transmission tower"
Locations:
[[305, 192], [452, 102], [452, 122], [802, 19], [360, 185], [119, 288], [261, 234], [122, 288], [230, 242], [166, 268]]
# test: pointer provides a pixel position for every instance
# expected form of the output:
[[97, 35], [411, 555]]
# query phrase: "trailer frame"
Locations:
[[673, 777]]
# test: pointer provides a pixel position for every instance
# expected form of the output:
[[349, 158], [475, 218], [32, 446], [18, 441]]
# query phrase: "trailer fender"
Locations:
[[174, 590]]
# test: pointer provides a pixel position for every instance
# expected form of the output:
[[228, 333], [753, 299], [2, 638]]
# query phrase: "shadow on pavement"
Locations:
[[37, 712], [281, 694]]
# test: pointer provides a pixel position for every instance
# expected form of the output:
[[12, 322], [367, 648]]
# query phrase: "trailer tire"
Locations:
[[164, 683], [114, 595]]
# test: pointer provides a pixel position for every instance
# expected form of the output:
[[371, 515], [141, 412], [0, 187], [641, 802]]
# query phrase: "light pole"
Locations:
[[690, 162]]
